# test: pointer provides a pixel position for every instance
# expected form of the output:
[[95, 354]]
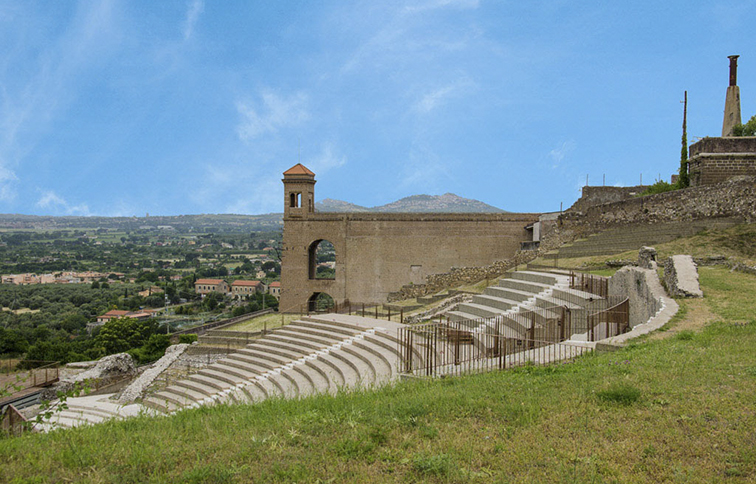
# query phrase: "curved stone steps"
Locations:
[[509, 294], [524, 286], [499, 303]]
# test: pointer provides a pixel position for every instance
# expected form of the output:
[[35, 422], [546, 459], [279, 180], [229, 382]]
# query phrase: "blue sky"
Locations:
[[129, 107]]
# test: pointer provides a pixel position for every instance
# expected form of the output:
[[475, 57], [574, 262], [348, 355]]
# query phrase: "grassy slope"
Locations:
[[738, 243], [694, 420]]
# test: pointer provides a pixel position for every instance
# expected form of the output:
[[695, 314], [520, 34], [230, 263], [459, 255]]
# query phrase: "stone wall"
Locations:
[[458, 276], [600, 195], [735, 199], [642, 287], [377, 253], [715, 160]]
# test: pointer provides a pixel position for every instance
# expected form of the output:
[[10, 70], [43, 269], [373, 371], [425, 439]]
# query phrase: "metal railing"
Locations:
[[12, 422], [598, 285], [33, 373], [527, 337], [453, 349], [366, 310], [610, 322]]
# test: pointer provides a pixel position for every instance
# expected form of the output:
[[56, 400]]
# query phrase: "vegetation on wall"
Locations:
[[748, 129]]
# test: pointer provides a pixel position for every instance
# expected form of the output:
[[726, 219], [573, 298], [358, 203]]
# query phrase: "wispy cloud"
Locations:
[[196, 7], [8, 180], [34, 97], [275, 113], [326, 160], [424, 170], [437, 97], [558, 154], [51, 201]]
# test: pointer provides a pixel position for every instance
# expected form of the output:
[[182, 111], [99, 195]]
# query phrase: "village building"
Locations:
[[206, 286], [274, 289], [245, 288]]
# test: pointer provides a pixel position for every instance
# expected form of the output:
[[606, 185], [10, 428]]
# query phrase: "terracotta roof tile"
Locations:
[[298, 169], [246, 283], [208, 281]]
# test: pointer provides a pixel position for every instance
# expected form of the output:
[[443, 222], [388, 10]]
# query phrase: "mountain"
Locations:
[[331, 205], [446, 203]]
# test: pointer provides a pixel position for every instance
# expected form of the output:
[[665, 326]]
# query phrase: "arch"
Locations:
[[295, 200], [320, 302], [323, 252]]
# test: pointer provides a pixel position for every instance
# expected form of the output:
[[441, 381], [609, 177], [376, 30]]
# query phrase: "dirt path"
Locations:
[[697, 317]]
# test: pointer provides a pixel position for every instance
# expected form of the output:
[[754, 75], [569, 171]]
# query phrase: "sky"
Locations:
[[122, 108]]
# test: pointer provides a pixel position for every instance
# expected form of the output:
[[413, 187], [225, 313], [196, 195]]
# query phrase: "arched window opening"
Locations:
[[322, 257], [320, 302], [295, 200]]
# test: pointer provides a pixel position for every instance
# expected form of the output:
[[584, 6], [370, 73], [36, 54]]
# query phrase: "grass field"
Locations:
[[677, 409]]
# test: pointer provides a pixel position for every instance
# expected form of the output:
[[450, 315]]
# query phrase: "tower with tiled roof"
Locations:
[[299, 191]]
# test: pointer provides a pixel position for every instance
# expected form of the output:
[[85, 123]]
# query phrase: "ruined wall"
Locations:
[[377, 253], [715, 160], [600, 195], [735, 199]]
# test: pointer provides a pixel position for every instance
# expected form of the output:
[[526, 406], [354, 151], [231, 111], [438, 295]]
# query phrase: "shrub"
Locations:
[[659, 187], [748, 129], [187, 339]]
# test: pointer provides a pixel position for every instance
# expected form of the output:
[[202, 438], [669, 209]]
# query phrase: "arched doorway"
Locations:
[[320, 302], [322, 260]]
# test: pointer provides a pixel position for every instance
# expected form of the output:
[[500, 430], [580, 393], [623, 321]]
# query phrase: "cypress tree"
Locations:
[[682, 179]]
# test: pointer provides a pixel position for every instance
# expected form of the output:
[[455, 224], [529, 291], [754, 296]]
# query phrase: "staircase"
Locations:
[[317, 354], [541, 294]]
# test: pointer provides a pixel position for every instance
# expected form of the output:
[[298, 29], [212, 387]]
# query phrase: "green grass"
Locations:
[[266, 321], [674, 410]]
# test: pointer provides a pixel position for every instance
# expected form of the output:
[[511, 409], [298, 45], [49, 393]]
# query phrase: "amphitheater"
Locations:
[[333, 352]]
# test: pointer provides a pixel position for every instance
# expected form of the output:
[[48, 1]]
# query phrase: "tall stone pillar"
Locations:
[[732, 101]]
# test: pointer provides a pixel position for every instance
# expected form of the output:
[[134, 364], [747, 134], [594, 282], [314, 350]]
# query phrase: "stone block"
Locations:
[[681, 277], [647, 258]]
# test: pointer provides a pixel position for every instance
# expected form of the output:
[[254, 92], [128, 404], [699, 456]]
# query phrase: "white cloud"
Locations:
[[50, 200], [277, 112], [560, 152], [424, 170], [8, 181], [326, 160], [439, 96], [192, 15]]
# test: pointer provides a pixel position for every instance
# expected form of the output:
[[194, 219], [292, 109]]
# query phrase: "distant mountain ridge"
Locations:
[[446, 203]]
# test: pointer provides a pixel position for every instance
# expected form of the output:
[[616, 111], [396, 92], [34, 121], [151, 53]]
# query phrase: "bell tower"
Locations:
[[299, 192]]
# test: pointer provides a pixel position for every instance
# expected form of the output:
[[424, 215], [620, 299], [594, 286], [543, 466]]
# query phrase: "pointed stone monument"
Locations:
[[732, 101]]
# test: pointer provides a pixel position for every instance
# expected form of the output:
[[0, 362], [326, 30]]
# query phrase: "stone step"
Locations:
[[307, 337], [315, 334], [499, 304], [291, 340], [205, 384], [509, 294], [524, 286], [479, 310], [533, 276], [333, 377], [330, 327]]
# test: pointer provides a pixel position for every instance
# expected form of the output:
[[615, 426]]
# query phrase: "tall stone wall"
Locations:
[[378, 253]]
